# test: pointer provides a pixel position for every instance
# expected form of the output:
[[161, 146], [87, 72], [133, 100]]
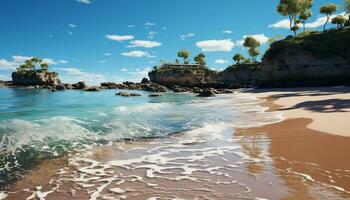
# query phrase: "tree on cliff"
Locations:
[[304, 16], [200, 59], [184, 54], [295, 28], [238, 58], [328, 10], [252, 44], [347, 10], [30, 65], [339, 21], [296, 10]]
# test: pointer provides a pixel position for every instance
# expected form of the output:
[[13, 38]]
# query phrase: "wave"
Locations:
[[24, 143]]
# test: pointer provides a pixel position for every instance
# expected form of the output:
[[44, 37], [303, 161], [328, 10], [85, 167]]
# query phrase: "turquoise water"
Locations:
[[39, 124]]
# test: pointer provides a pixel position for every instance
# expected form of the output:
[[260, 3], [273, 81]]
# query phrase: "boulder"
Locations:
[[206, 93], [197, 90], [60, 87], [68, 86], [79, 86], [109, 85], [92, 89], [154, 87], [145, 81]]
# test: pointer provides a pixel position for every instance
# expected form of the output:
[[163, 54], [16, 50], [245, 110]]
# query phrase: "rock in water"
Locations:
[[92, 89], [145, 81], [60, 87], [80, 85], [155, 95], [125, 94], [35, 78], [206, 93]]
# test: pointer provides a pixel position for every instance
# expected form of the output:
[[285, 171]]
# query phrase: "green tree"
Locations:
[[184, 54], [347, 9], [200, 59], [252, 44], [295, 29], [296, 10], [347, 6], [238, 58], [44, 66], [328, 10], [339, 21], [304, 16], [254, 52]]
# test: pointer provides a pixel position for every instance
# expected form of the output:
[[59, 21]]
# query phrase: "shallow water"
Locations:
[[176, 146]]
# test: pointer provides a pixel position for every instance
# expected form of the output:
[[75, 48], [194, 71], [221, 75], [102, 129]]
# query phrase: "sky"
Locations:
[[118, 40]]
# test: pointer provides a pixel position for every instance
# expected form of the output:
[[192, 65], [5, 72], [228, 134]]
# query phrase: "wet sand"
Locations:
[[286, 160]]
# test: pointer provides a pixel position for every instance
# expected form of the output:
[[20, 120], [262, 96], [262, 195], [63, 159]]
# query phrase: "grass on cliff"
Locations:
[[248, 67], [325, 44], [190, 69]]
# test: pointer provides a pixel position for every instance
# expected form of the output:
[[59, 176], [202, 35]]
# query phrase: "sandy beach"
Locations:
[[303, 157], [327, 107]]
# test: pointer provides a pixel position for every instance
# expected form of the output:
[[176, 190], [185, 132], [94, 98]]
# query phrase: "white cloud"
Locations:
[[151, 34], [123, 69], [49, 61], [320, 21], [7, 65], [149, 24], [131, 26], [259, 37], [144, 43], [137, 54], [108, 54], [227, 32], [101, 61], [120, 38], [215, 45], [220, 61], [21, 59], [17, 60], [62, 61], [283, 24], [239, 43], [84, 1], [184, 36], [72, 25], [72, 75]]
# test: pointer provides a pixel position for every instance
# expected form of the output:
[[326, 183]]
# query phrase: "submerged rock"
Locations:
[[125, 94], [92, 89], [155, 95]]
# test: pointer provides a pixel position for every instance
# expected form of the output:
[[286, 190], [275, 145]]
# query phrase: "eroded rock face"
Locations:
[[35, 78], [184, 76]]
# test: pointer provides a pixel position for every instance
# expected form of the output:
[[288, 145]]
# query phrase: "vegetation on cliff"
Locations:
[[330, 43]]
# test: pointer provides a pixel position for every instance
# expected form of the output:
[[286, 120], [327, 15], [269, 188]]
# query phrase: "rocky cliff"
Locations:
[[309, 59], [26, 78], [184, 75]]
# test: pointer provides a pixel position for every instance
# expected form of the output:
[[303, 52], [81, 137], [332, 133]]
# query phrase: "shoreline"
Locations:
[[303, 166]]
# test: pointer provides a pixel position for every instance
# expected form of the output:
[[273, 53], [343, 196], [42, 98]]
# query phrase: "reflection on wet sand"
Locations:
[[313, 165]]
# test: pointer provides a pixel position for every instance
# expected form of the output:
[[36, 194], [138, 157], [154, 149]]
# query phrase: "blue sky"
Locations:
[[116, 40]]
